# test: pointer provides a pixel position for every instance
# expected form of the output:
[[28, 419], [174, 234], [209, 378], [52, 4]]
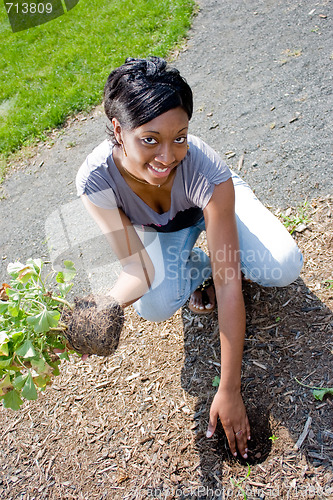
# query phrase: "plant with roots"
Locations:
[[39, 327]]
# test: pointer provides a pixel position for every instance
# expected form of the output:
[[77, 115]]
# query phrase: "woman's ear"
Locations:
[[117, 130]]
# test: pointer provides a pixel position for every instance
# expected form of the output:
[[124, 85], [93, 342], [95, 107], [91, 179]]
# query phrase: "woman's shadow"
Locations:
[[286, 335]]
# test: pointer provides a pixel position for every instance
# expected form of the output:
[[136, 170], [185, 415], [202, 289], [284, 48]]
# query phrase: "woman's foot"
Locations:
[[203, 300]]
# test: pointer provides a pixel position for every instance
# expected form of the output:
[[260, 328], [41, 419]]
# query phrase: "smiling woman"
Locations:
[[153, 188], [153, 151], [159, 139]]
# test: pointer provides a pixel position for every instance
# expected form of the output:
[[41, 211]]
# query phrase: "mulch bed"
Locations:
[[132, 426]]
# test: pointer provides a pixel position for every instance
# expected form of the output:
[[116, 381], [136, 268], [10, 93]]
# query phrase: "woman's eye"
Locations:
[[180, 140], [149, 140]]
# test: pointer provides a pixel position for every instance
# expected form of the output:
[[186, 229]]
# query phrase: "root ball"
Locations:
[[94, 325]]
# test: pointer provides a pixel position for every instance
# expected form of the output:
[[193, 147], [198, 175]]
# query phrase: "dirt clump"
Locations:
[[94, 325]]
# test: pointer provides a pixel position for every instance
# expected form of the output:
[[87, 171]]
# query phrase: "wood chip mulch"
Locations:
[[132, 426]]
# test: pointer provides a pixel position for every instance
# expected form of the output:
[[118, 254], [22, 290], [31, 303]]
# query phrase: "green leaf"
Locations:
[[41, 367], [13, 294], [12, 400], [37, 264], [14, 268], [4, 339], [19, 381], [26, 350], [25, 274], [5, 384], [42, 382], [321, 393], [64, 355], [5, 363], [69, 264], [60, 277], [68, 274], [29, 389], [4, 349], [43, 321], [65, 288], [3, 306], [16, 338], [56, 370], [216, 381], [38, 364], [13, 310]]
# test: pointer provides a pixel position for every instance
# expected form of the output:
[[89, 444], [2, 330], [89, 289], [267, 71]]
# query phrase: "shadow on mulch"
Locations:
[[286, 339]]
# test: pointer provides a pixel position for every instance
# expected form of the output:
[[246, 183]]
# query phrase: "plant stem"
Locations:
[[308, 386], [62, 301]]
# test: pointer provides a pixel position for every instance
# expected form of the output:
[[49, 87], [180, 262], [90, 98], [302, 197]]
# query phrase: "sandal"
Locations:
[[205, 299]]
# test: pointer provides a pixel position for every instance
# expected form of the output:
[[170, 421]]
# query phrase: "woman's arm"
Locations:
[[137, 272], [223, 246]]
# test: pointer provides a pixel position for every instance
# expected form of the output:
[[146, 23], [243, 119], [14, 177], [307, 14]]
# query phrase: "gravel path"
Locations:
[[261, 76]]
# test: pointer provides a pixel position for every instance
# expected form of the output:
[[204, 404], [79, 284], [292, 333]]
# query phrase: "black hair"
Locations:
[[142, 89]]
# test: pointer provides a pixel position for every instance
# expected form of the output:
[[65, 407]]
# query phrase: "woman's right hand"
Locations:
[[228, 406]]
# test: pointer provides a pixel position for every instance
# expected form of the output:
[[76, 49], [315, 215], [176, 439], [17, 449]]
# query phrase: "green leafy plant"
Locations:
[[293, 222], [238, 483], [321, 393], [273, 438], [216, 381], [318, 392], [31, 340]]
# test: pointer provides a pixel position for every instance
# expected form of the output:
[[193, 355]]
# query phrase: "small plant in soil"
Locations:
[[273, 438], [328, 283], [318, 392], [39, 327], [297, 221], [238, 483]]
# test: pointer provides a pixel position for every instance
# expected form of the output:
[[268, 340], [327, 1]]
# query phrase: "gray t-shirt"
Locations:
[[193, 186]]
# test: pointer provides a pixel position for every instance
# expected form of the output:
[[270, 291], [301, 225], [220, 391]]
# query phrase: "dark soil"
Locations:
[[132, 425]]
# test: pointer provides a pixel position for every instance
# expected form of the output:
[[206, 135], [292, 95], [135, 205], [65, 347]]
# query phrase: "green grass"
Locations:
[[57, 69]]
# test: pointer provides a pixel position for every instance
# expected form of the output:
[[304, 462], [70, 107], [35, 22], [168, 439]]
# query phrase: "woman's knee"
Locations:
[[153, 308], [278, 270], [290, 266]]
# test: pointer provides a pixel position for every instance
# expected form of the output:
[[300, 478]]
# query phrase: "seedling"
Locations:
[[273, 438], [238, 483], [328, 283], [216, 381], [294, 221], [318, 392]]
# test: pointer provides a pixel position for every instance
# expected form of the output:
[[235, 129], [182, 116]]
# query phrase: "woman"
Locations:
[[152, 188]]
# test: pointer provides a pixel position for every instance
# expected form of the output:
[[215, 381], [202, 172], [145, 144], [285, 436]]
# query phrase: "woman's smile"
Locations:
[[160, 172], [158, 169]]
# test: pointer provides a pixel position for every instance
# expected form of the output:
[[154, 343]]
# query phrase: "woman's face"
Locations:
[[155, 148]]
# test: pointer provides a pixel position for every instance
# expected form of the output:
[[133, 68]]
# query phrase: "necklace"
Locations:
[[139, 180]]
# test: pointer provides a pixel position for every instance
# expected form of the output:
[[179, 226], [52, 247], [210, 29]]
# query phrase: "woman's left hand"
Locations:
[[229, 407]]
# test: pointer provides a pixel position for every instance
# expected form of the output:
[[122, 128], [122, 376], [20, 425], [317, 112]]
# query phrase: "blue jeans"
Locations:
[[268, 255]]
